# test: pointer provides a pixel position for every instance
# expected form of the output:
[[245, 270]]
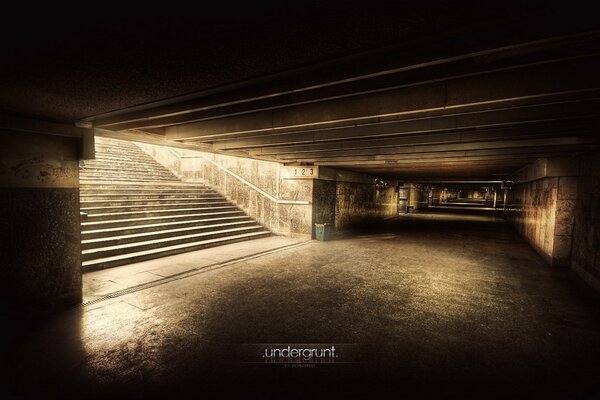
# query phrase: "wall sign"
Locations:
[[300, 172]]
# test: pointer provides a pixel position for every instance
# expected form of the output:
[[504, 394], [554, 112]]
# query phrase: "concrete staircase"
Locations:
[[134, 209]]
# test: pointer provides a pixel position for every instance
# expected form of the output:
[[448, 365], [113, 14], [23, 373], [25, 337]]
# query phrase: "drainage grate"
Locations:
[[188, 273]]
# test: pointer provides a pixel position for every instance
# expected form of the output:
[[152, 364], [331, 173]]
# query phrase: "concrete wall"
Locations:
[[585, 253], [418, 198], [534, 214], [293, 220], [543, 204], [361, 202], [558, 212], [345, 198], [40, 254], [164, 155], [324, 202]]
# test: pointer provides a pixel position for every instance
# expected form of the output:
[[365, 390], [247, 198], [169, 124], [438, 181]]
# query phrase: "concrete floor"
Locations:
[[107, 282], [424, 305]]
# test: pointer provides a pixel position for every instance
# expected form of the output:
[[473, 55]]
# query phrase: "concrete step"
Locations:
[[118, 179], [143, 187], [122, 158], [152, 207], [99, 175], [114, 143], [85, 204], [143, 197], [118, 150], [125, 177], [107, 175], [156, 213], [137, 209], [107, 262], [104, 154], [158, 238], [144, 192], [122, 145], [192, 223], [88, 224], [158, 185], [160, 234], [102, 139], [92, 173], [130, 178], [125, 159], [100, 167]]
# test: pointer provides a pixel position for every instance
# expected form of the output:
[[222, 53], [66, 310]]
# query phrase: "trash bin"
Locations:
[[323, 231]]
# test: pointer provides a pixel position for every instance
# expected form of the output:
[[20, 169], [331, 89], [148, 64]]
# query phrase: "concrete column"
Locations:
[[495, 198], [40, 250]]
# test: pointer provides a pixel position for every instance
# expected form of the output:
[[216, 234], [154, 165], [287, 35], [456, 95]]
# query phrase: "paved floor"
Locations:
[[424, 305], [101, 283]]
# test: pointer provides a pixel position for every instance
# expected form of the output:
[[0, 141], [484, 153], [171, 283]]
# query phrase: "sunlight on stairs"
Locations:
[[135, 209]]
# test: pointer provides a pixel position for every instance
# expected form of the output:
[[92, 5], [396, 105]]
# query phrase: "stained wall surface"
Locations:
[[358, 202], [534, 214], [585, 253], [40, 250], [543, 210], [289, 219], [324, 202]]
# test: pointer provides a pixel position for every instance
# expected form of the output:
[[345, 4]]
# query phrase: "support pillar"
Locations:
[[40, 250]]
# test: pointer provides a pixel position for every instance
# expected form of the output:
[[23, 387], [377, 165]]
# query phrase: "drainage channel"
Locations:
[[188, 273]]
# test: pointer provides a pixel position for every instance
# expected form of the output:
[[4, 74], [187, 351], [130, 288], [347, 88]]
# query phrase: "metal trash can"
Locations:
[[323, 231]]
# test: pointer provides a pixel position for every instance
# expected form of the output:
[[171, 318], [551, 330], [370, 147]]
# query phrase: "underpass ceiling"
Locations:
[[463, 90]]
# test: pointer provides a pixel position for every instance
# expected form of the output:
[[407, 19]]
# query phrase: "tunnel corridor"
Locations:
[[334, 199]]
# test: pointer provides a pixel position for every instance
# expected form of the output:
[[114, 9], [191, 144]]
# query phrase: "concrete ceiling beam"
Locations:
[[566, 75]]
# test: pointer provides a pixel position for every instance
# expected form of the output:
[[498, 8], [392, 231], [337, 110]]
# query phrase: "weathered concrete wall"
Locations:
[[564, 220], [186, 164], [543, 208], [324, 202], [293, 220], [40, 254], [560, 215], [164, 155], [534, 214], [191, 168], [358, 202], [418, 198], [345, 198], [585, 254]]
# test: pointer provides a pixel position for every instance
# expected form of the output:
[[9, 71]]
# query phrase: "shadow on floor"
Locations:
[[420, 306]]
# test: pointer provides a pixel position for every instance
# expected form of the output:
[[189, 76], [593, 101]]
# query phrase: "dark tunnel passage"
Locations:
[[301, 200]]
